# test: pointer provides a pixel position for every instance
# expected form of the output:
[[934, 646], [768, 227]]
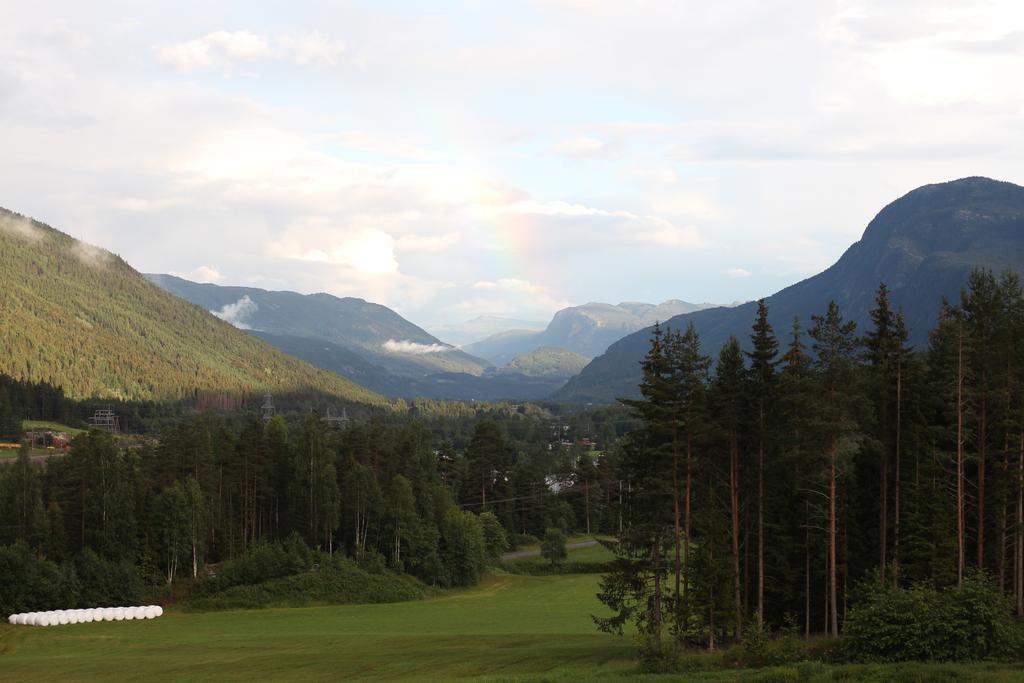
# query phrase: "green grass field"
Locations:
[[509, 628], [509, 625], [54, 426]]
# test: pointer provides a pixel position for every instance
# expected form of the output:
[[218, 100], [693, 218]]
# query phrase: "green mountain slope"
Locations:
[[548, 361], [81, 318], [375, 332], [923, 246]]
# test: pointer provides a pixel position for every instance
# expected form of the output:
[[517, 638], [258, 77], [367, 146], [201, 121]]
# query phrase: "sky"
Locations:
[[456, 159]]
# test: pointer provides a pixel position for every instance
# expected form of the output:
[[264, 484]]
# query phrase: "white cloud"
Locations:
[[205, 274], [581, 147], [393, 346], [238, 313], [21, 228], [223, 48], [561, 208], [429, 242], [737, 272], [90, 255], [366, 250], [759, 135]]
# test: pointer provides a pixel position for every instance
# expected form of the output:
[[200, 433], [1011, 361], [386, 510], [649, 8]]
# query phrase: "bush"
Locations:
[[339, 582], [922, 623], [463, 552], [103, 582], [517, 541], [28, 583], [259, 563], [553, 547], [495, 539], [660, 656]]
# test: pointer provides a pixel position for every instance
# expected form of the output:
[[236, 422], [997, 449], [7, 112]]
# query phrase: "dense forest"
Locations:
[[755, 489], [768, 487], [436, 491]]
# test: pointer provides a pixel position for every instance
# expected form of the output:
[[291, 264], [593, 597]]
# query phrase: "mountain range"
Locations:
[[586, 330], [375, 347], [481, 327], [80, 317], [923, 246], [378, 334]]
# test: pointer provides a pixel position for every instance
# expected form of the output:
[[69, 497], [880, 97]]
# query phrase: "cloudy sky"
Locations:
[[451, 159]]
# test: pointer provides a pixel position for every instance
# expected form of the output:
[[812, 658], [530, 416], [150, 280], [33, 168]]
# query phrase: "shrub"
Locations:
[[495, 539], [660, 656], [103, 582], [339, 582], [259, 563], [922, 623], [28, 583], [463, 553], [519, 540], [552, 548]]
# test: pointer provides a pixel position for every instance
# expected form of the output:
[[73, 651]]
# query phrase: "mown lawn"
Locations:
[[508, 626], [52, 426]]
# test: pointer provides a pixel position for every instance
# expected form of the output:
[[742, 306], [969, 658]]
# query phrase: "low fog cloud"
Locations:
[[394, 346], [238, 313]]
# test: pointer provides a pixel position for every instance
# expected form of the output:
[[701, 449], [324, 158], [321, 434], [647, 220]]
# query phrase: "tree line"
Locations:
[[766, 485], [439, 497]]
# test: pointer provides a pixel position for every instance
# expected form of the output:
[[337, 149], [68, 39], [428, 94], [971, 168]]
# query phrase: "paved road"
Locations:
[[536, 551]]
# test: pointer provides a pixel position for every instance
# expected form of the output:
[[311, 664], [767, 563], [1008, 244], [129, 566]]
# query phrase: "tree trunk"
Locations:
[[760, 520], [686, 517], [1019, 572], [807, 570], [982, 456], [656, 617], [586, 501], [675, 503], [833, 592], [960, 458], [896, 483], [734, 495]]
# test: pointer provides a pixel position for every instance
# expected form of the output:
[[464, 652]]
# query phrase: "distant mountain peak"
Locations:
[[923, 246]]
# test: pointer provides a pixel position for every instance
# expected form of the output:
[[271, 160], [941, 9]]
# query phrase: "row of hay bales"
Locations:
[[61, 617]]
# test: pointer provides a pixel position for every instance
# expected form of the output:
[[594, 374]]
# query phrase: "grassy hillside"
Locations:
[[81, 318], [548, 362]]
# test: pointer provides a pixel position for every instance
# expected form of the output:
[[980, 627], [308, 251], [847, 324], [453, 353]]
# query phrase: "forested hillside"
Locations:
[[81, 318], [923, 246], [375, 332]]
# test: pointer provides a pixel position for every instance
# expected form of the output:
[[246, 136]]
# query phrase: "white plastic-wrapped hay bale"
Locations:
[[41, 619], [13, 619], [119, 614], [108, 614], [159, 611], [150, 611]]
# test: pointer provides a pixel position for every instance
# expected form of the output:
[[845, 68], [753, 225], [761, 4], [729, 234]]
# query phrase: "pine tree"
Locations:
[[726, 405], [834, 346], [762, 388]]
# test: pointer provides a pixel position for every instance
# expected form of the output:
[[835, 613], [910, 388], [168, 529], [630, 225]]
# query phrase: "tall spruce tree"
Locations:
[[762, 389], [834, 346]]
